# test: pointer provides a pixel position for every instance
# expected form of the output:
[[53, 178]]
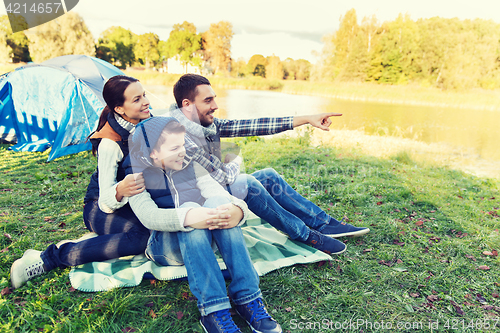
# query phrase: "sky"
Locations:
[[292, 28]]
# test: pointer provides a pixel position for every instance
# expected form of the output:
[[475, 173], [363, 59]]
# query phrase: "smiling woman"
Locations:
[[136, 105], [106, 211]]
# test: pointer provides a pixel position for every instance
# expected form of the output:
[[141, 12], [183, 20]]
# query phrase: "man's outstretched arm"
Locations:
[[321, 121], [268, 126]]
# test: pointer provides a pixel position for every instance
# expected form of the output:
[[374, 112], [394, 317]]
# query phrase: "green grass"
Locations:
[[419, 265]]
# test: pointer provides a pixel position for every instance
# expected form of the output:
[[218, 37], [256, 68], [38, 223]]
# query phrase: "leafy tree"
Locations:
[[217, 45], [303, 69], [296, 69], [289, 69], [163, 50], [260, 70], [13, 47], [394, 57], [358, 61], [274, 68], [183, 42], [5, 49], [67, 34], [116, 45], [344, 40], [146, 49], [487, 51], [239, 68], [471, 58], [447, 53], [338, 46], [257, 65], [19, 45]]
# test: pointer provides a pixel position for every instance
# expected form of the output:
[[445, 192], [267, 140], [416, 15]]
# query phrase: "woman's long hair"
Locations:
[[113, 93]]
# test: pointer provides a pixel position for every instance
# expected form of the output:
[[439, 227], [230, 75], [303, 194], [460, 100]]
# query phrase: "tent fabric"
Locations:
[[54, 104], [7, 131], [94, 74]]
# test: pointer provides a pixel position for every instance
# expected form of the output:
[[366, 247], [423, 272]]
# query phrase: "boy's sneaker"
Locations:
[[257, 317], [26, 268], [219, 322], [325, 244], [341, 229]]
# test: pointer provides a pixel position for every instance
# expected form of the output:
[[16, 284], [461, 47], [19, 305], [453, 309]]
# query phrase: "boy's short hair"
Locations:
[[185, 88], [172, 127]]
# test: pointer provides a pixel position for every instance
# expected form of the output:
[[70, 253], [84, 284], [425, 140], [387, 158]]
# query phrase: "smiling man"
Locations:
[[267, 194]]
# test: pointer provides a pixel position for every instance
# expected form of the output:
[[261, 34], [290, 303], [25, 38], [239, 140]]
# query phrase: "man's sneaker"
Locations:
[[325, 244], [257, 317], [341, 229], [219, 322], [26, 268]]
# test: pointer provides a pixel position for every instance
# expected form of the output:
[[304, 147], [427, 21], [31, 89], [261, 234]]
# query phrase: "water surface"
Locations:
[[471, 130]]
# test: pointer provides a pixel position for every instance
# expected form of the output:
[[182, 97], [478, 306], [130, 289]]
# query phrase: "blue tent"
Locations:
[[54, 104]]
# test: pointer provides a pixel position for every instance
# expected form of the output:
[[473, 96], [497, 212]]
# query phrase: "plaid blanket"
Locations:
[[269, 250]]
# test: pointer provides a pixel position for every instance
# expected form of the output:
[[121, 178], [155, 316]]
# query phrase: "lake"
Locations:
[[473, 131]]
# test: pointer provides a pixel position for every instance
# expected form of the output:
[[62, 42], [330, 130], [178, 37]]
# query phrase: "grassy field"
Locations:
[[429, 264]]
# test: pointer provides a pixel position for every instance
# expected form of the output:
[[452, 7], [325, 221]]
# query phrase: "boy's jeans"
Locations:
[[206, 282], [270, 197]]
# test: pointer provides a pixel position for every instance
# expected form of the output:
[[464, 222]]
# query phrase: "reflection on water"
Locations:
[[470, 130], [242, 104]]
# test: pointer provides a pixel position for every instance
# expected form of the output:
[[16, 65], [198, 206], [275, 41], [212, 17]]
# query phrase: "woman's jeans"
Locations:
[[194, 249], [270, 197], [120, 234]]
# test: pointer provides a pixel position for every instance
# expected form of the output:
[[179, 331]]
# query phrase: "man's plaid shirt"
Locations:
[[226, 173], [253, 127]]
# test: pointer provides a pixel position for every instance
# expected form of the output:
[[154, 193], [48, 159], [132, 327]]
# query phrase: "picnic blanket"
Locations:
[[269, 250]]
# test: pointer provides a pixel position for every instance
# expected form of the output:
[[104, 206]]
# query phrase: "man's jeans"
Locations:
[[206, 281], [270, 197], [120, 234]]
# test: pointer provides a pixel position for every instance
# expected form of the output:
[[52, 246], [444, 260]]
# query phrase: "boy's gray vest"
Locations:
[[184, 184]]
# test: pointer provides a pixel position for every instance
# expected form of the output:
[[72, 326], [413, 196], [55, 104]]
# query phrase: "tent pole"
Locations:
[[83, 105], [150, 93]]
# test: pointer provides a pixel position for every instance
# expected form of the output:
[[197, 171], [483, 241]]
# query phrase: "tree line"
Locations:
[[210, 49], [445, 53]]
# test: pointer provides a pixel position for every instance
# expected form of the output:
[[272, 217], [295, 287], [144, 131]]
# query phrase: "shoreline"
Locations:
[[366, 92], [409, 151]]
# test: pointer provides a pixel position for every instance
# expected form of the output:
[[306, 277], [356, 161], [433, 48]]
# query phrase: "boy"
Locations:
[[187, 211]]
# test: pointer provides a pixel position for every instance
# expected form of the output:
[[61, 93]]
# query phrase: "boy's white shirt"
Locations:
[[172, 219]]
